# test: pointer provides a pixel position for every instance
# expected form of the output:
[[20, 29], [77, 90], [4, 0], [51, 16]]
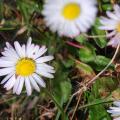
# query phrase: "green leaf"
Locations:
[[66, 90], [64, 117], [87, 53], [68, 63], [101, 62], [100, 41], [107, 7], [86, 69], [61, 87], [107, 83], [62, 92], [81, 39], [98, 112], [116, 93]]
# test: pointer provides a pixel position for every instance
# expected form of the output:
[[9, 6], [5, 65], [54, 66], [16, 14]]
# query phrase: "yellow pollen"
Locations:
[[25, 67], [71, 11], [118, 27]]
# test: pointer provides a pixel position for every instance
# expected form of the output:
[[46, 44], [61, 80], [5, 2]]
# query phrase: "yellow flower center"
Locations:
[[25, 67], [118, 27], [71, 11]]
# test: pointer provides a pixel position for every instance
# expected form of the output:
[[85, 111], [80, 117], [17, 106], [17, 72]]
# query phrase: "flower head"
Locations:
[[115, 111], [111, 23], [25, 64], [69, 17]]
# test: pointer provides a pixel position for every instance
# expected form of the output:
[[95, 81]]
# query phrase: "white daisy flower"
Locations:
[[115, 111], [112, 24], [69, 17], [25, 64]]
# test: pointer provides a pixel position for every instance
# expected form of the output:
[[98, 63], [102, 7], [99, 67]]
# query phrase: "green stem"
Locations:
[[99, 5], [95, 103]]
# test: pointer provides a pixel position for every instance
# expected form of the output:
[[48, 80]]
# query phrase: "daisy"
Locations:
[[115, 111], [69, 17], [111, 23], [24, 64]]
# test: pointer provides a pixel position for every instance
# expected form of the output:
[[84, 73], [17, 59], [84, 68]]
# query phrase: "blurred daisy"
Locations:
[[24, 64], [115, 111], [69, 17], [112, 24]]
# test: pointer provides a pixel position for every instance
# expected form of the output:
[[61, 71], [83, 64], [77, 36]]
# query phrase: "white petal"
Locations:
[[9, 58], [5, 71], [28, 46], [44, 59], [16, 84], [24, 50], [43, 68], [9, 45], [10, 53], [34, 84], [44, 73], [28, 86], [117, 10], [46, 65], [40, 52], [117, 103], [117, 118], [4, 63], [115, 40], [20, 86], [10, 83], [30, 51], [7, 77], [111, 34], [107, 27], [39, 80], [112, 15], [19, 49], [29, 41], [34, 51]]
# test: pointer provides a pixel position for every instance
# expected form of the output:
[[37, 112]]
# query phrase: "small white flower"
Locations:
[[112, 24], [115, 111], [24, 64], [69, 17]]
